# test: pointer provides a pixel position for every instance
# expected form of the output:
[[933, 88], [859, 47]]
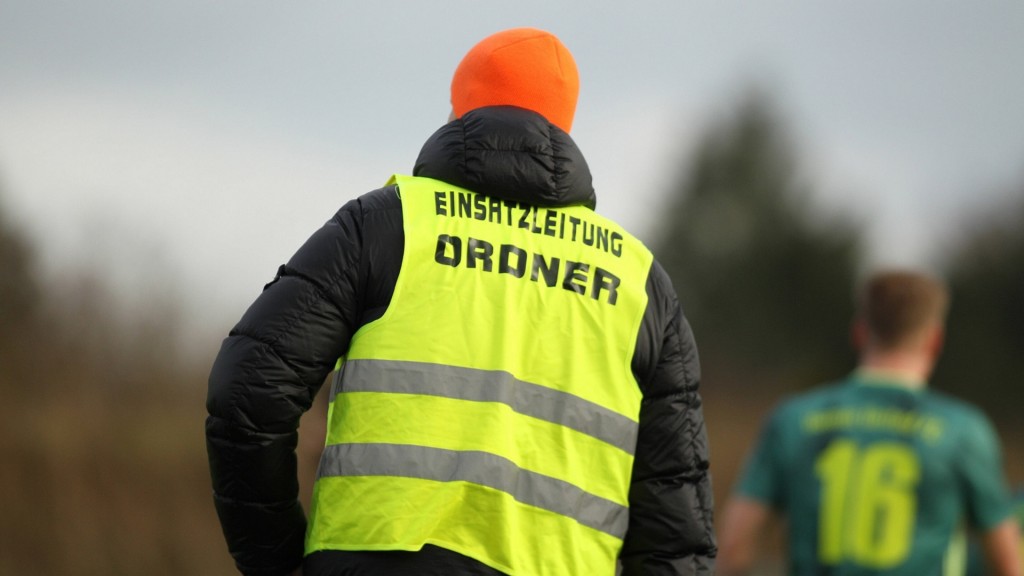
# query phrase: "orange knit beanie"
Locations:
[[522, 67]]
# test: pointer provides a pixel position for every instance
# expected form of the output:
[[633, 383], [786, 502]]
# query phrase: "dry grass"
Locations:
[[106, 479], [94, 484]]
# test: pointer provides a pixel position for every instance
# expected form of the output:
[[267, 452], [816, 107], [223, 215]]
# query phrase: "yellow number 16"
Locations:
[[868, 503]]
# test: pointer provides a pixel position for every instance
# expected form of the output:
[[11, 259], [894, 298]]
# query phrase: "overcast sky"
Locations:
[[212, 138]]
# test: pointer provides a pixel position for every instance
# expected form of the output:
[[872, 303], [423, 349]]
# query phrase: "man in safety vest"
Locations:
[[517, 389]]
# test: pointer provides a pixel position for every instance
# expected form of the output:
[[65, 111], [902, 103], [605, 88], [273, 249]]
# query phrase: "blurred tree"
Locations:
[[20, 302], [983, 360], [19, 289], [764, 278], [102, 446]]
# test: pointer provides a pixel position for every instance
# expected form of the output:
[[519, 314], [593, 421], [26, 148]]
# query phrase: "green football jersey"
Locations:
[[975, 561], [875, 478]]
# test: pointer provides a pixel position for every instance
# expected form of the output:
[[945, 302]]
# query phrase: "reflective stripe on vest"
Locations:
[[489, 386], [492, 409], [479, 468]]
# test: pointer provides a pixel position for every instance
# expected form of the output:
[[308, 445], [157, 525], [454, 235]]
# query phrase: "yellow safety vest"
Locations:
[[492, 409]]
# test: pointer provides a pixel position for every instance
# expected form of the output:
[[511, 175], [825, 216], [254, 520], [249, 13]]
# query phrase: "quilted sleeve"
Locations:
[[671, 504], [265, 376]]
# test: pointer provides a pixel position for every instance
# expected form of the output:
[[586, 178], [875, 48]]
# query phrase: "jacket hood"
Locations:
[[509, 153]]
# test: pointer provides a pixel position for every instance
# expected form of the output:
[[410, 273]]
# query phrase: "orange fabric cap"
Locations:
[[522, 67]]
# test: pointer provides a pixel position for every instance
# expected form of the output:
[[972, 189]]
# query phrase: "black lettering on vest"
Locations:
[[465, 205], [479, 207], [441, 254], [588, 239], [542, 268], [533, 212], [479, 250], [605, 280], [440, 205], [504, 264], [601, 285], [575, 277], [494, 213], [522, 219], [550, 220], [616, 244], [575, 222], [602, 238]]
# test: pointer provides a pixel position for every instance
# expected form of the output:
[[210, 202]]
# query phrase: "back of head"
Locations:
[[523, 67], [898, 307]]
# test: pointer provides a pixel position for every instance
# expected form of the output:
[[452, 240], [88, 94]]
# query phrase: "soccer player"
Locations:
[[876, 474]]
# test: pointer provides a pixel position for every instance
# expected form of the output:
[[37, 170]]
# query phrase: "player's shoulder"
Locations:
[[963, 420], [952, 406]]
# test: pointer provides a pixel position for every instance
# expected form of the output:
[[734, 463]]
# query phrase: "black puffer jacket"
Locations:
[[273, 362]]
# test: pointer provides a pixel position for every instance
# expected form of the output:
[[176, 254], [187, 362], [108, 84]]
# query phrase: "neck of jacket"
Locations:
[[509, 153]]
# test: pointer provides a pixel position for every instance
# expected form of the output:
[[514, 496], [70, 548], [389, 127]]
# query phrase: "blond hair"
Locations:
[[897, 305]]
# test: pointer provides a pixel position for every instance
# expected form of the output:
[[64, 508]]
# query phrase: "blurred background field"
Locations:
[[126, 252], [104, 467]]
